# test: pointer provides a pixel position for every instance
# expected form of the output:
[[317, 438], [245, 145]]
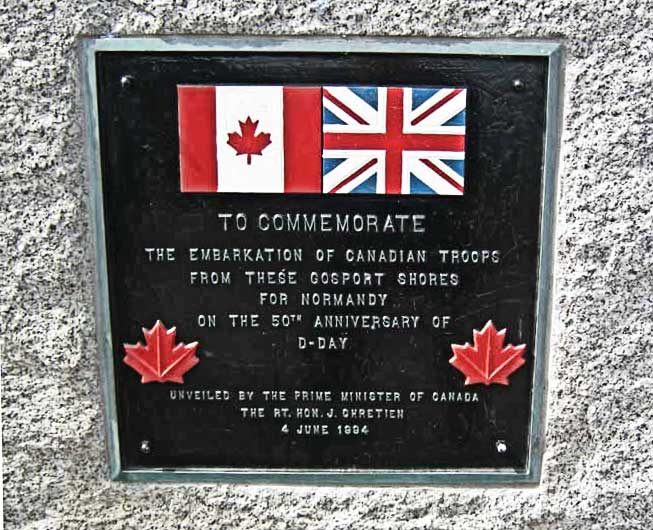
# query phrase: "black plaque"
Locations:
[[275, 395]]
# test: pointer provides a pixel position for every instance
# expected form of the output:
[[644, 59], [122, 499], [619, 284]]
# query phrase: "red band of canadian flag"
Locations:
[[197, 140]]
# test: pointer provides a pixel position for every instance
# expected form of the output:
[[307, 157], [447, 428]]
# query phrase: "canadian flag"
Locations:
[[250, 139]]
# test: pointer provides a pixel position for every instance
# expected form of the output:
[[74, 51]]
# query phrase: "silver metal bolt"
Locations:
[[501, 446], [518, 85], [145, 447], [126, 81]]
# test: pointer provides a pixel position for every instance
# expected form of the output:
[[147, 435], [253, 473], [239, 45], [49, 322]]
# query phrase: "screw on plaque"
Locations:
[[145, 447], [127, 82], [518, 85], [502, 446]]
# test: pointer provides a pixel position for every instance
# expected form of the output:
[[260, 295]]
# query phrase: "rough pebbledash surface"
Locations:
[[597, 470]]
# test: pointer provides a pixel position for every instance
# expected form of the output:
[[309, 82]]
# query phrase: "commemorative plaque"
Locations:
[[323, 260]]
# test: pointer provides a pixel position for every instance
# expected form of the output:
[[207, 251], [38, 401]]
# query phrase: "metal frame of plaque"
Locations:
[[550, 52]]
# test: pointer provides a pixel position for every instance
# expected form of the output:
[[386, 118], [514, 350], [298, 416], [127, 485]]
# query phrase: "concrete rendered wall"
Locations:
[[599, 456]]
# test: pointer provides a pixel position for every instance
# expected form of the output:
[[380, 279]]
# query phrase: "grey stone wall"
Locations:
[[599, 456]]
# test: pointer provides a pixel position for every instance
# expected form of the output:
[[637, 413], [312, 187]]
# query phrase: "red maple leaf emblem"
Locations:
[[161, 360], [488, 361], [248, 143]]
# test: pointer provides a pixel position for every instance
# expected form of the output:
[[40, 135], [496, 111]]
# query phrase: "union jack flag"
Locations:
[[393, 140]]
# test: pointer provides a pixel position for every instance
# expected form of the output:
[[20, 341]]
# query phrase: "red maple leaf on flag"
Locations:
[[161, 360], [248, 143], [488, 361]]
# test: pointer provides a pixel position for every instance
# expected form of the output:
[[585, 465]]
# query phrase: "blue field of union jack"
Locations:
[[392, 140]]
